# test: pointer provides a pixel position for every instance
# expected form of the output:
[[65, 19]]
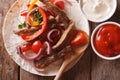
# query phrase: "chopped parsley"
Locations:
[[37, 17], [21, 25]]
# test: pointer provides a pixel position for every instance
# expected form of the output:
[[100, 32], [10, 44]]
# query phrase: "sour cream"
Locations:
[[98, 10]]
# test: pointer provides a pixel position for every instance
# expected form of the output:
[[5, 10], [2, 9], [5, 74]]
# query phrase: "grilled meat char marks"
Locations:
[[60, 17], [45, 61], [56, 11], [27, 31], [61, 48]]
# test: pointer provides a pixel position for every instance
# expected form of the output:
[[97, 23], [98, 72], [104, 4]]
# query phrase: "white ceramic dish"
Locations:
[[10, 39], [108, 16], [92, 43]]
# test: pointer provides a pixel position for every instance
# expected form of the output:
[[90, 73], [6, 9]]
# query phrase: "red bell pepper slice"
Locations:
[[38, 33], [24, 13]]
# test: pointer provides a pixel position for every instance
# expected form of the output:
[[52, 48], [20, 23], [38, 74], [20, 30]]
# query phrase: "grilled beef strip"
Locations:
[[54, 9], [65, 36], [59, 52], [51, 19], [61, 48], [27, 30], [61, 17], [45, 61]]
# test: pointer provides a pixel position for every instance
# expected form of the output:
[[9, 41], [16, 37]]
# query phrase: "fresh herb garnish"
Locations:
[[21, 25], [37, 17]]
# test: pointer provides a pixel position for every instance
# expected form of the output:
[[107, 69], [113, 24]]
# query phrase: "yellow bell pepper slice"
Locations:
[[32, 4], [32, 23]]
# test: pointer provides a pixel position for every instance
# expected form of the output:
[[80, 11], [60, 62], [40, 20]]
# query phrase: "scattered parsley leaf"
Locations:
[[38, 17], [21, 25]]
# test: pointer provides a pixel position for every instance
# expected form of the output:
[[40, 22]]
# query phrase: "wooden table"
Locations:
[[89, 67]]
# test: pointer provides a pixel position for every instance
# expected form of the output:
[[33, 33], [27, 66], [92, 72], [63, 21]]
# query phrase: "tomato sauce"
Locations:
[[107, 40]]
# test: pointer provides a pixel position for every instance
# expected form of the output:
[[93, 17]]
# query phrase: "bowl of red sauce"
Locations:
[[105, 40]]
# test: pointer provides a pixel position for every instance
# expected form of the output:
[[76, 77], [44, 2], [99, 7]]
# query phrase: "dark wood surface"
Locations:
[[89, 67]]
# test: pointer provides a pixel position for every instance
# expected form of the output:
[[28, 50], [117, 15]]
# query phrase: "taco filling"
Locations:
[[48, 33]]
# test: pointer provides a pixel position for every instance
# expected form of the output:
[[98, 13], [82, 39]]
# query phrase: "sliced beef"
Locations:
[[27, 30], [45, 61], [59, 51], [56, 11], [51, 20], [65, 37]]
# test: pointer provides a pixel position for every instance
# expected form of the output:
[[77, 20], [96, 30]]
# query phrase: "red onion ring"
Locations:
[[50, 33], [33, 56], [65, 1], [47, 47]]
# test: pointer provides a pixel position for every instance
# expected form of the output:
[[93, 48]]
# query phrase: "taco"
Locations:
[[39, 34]]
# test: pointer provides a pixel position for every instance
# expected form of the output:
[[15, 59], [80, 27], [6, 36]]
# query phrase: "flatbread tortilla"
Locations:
[[11, 40]]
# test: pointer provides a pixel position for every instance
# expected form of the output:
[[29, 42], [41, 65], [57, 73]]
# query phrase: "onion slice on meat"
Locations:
[[52, 32], [32, 56], [65, 1]]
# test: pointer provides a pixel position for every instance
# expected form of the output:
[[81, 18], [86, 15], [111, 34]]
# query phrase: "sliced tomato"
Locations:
[[52, 1], [36, 46], [79, 38], [24, 13], [59, 4], [26, 47]]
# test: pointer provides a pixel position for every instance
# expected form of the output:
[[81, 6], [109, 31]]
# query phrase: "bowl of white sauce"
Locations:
[[98, 10]]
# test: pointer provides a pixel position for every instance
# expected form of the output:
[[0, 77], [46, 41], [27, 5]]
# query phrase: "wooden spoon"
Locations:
[[78, 52]]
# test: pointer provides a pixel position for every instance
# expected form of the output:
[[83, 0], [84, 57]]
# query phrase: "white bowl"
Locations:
[[108, 16], [92, 43]]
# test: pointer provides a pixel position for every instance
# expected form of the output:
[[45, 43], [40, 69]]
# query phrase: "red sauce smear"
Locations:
[[107, 40]]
